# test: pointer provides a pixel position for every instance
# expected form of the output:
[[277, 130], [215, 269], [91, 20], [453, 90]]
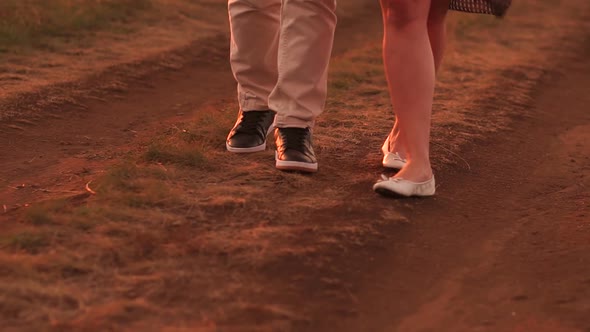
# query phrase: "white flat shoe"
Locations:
[[400, 187], [391, 159]]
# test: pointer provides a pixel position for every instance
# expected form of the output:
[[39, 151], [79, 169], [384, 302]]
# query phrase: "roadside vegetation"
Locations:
[[30, 23], [42, 24], [163, 234]]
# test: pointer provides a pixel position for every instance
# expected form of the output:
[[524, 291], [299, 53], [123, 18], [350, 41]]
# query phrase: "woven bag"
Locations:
[[493, 7]]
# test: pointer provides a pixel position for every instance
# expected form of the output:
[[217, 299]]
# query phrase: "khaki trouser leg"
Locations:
[[305, 45], [280, 50], [254, 26]]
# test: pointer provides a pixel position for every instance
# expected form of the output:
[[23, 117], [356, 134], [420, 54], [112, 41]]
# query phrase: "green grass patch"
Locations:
[[38, 215], [180, 146], [44, 213], [120, 178], [28, 23], [26, 241], [153, 193], [129, 186], [85, 218]]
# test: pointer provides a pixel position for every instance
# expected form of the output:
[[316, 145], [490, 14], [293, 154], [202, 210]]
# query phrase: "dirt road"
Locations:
[[504, 246]]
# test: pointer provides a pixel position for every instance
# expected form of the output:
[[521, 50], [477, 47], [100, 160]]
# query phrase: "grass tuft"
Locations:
[[26, 241], [43, 214], [119, 177], [38, 215]]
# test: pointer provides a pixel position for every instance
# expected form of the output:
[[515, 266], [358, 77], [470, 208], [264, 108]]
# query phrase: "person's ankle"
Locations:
[[396, 147], [416, 172]]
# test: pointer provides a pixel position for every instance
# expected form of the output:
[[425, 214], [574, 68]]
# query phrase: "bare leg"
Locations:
[[437, 29], [410, 72], [437, 36]]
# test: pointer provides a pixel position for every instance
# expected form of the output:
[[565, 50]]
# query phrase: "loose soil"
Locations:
[[209, 241]]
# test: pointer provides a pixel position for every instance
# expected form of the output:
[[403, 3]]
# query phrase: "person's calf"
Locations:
[[402, 15]]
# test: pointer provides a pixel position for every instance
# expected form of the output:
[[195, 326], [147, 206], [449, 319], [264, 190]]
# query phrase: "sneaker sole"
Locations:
[[296, 166], [258, 148], [299, 166], [246, 150]]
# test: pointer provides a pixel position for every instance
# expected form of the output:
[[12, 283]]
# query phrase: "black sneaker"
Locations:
[[294, 150], [250, 131]]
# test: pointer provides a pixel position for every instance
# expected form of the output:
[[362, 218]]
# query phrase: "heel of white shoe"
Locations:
[[399, 187], [391, 159]]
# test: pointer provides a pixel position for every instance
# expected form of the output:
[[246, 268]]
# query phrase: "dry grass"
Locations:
[[183, 228], [33, 24], [30, 242], [28, 23]]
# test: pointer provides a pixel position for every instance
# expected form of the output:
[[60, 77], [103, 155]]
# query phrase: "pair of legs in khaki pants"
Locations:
[[280, 50]]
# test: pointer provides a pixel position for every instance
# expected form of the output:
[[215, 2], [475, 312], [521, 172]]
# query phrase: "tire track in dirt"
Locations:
[[506, 247], [302, 287], [67, 131]]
